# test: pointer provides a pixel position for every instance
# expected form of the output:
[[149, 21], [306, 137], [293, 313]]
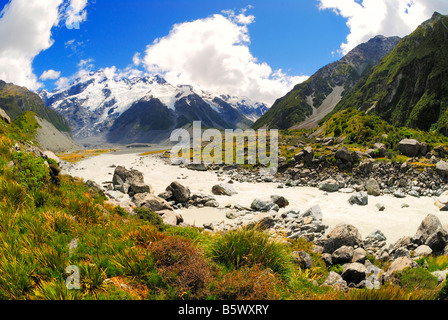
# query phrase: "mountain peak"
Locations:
[[435, 15]]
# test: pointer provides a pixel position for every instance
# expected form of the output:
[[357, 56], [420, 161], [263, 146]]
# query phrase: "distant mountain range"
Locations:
[[135, 110]]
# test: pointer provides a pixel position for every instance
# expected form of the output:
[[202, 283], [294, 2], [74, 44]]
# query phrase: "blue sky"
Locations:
[[258, 48]]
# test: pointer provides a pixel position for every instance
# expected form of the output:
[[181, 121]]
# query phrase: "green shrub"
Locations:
[[150, 216], [417, 278], [29, 171], [250, 247]]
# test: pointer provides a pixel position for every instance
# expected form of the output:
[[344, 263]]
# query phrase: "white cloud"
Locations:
[[25, 31], [62, 83], [50, 75], [369, 18], [75, 14], [213, 54]]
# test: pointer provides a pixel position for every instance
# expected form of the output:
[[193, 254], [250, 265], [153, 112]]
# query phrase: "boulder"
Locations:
[[359, 255], [344, 154], [329, 185], [197, 166], [442, 201], [422, 251], [431, 233], [306, 155], [341, 235], [281, 201], [335, 280], [50, 155], [399, 265], [354, 272], [359, 198], [123, 176], [303, 259], [170, 217], [442, 168], [4, 116], [263, 206], [376, 236], [380, 149], [373, 188], [314, 212], [225, 189], [380, 206], [180, 193], [151, 201], [409, 147], [342, 255]]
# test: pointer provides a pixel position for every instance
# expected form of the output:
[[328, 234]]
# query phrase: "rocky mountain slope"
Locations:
[[16, 100], [131, 110], [311, 100], [409, 87]]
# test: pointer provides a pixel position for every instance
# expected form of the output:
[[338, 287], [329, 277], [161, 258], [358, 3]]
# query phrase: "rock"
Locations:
[[315, 212], [431, 233], [373, 188], [442, 168], [197, 166], [335, 280], [225, 189], [380, 150], [442, 201], [303, 259], [359, 255], [399, 194], [139, 188], [422, 251], [180, 193], [4, 116], [376, 236], [306, 155], [281, 201], [409, 147], [359, 198], [401, 252], [440, 275], [342, 255], [399, 265], [341, 235], [263, 206], [151, 201], [354, 272], [95, 186], [344, 154], [329, 185], [170, 217], [50, 155], [380, 207], [123, 176]]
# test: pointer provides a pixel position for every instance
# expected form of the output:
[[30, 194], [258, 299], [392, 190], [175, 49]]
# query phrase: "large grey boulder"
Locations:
[[306, 155], [344, 154], [354, 273], [342, 255], [341, 235], [263, 206], [431, 233], [373, 188], [179, 192], [399, 265], [329, 185], [359, 198], [225, 189], [314, 212], [129, 181], [442, 201], [442, 168], [409, 147], [151, 201], [281, 201], [303, 259]]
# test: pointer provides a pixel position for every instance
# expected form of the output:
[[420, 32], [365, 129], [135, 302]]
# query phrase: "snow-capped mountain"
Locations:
[[100, 103]]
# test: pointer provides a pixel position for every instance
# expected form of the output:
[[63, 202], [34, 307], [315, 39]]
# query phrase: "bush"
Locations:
[[417, 278], [247, 284], [250, 247], [182, 267], [150, 216], [29, 171]]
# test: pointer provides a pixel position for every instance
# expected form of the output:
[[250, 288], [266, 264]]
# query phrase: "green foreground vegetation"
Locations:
[[50, 222]]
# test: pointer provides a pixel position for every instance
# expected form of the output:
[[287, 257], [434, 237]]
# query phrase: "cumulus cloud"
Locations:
[[25, 31], [369, 18], [213, 54], [75, 14], [50, 75]]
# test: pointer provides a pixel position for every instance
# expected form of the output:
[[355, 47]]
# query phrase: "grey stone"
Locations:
[[315, 212], [225, 189], [280, 201], [442, 168], [344, 154], [340, 235], [380, 207], [373, 188], [409, 147], [359, 198], [303, 259], [431, 233], [342, 255], [422, 251], [354, 272], [329, 185], [180, 193]]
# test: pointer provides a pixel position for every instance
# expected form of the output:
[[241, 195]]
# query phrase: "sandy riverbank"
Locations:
[[395, 222]]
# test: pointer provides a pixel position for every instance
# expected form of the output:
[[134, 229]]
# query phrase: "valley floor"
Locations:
[[395, 221]]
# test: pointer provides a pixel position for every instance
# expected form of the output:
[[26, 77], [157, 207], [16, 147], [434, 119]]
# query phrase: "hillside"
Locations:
[[409, 87], [15, 100], [311, 100]]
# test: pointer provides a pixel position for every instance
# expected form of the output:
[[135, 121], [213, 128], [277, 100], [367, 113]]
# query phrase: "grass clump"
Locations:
[[248, 247]]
